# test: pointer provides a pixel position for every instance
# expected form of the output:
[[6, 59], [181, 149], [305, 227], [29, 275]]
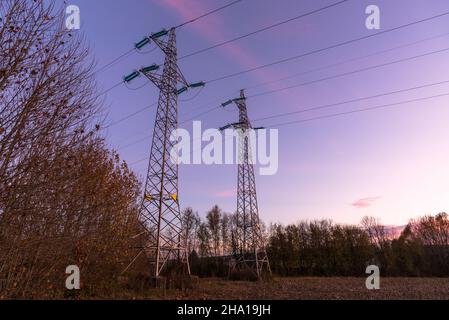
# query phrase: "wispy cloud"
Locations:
[[228, 193], [365, 202], [215, 32]]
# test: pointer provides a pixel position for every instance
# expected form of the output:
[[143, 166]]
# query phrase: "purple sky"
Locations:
[[391, 163]]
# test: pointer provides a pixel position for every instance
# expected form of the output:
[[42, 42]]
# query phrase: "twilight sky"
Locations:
[[392, 163]]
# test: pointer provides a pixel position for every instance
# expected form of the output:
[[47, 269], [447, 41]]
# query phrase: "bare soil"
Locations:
[[305, 288]]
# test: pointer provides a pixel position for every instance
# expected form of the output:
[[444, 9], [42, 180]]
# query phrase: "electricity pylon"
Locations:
[[160, 211], [251, 253]]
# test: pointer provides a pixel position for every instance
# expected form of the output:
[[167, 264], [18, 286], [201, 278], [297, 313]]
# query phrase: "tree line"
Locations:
[[325, 248]]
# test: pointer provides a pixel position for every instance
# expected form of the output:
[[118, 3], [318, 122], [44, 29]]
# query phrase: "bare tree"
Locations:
[[377, 232], [213, 222], [191, 221], [204, 240], [47, 88], [225, 226]]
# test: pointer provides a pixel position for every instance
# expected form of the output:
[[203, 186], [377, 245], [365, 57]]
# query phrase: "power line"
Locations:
[[134, 143], [337, 115], [115, 86], [110, 64], [351, 101], [330, 78], [324, 68], [305, 83], [130, 115], [111, 88], [208, 13], [349, 60], [138, 88], [317, 107], [122, 56], [136, 113], [201, 114], [349, 73], [149, 136], [304, 54], [257, 31], [194, 96], [263, 29], [139, 161], [340, 113], [147, 158], [358, 110], [326, 48], [328, 105], [133, 50], [316, 51], [309, 53]]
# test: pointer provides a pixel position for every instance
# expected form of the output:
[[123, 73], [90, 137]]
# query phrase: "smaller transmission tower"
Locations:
[[251, 253]]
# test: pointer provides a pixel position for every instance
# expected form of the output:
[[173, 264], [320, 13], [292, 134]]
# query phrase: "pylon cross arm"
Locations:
[[158, 81]]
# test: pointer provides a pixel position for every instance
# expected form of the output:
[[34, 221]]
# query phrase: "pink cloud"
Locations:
[[215, 32], [365, 202], [225, 193]]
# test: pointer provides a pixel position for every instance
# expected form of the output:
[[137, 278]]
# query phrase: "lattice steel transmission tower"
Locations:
[[160, 212], [251, 253]]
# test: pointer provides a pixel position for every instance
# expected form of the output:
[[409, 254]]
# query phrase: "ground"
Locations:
[[314, 288]]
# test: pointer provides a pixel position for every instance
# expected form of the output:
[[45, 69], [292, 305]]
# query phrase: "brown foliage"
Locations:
[[64, 199], [83, 213]]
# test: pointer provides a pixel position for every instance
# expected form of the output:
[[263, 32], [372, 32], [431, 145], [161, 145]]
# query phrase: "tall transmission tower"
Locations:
[[160, 211], [251, 253]]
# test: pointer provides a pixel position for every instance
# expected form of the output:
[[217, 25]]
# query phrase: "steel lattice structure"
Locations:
[[160, 211], [250, 244]]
